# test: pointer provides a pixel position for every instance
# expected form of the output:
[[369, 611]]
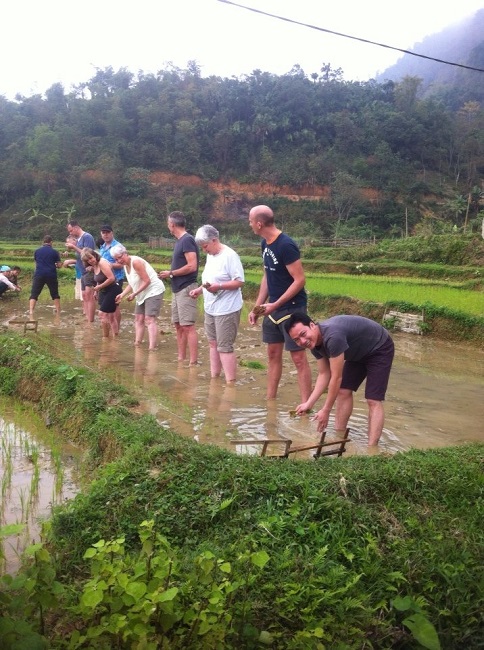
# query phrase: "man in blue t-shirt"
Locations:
[[348, 349], [107, 235], [47, 261], [281, 293], [84, 240]]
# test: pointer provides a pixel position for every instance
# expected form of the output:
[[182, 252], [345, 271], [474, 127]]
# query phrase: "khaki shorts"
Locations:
[[150, 307], [223, 330], [183, 308]]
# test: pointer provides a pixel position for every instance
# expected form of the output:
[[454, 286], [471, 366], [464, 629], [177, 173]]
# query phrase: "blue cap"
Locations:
[[4, 267]]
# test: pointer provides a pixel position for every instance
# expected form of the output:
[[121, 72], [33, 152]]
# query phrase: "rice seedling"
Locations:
[[58, 471], [7, 471], [24, 503], [34, 484]]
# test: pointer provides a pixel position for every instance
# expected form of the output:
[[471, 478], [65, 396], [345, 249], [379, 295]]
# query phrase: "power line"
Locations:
[[354, 38]]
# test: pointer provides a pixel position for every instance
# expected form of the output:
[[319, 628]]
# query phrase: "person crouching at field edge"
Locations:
[[348, 349]]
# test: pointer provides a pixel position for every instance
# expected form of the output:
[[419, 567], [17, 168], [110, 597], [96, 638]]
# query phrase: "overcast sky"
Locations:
[[49, 41]]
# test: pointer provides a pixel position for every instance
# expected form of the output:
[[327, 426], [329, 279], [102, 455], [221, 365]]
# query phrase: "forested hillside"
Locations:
[[335, 158]]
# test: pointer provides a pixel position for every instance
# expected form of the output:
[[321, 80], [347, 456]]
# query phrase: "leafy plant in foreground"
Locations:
[[419, 625], [143, 601]]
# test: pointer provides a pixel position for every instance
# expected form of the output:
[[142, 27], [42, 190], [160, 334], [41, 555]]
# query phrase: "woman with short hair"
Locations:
[[146, 288], [222, 279], [105, 288]]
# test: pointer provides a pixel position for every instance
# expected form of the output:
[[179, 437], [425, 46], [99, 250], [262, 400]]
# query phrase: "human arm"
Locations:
[[140, 268], [336, 365], [194, 293], [296, 271], [226, 285], [10, 285], [105, 267], [322, 381], [124, 293], [191, 266], [68, 263]]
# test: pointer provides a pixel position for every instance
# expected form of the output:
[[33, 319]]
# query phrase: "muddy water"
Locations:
[[435, 397], [35, 474]]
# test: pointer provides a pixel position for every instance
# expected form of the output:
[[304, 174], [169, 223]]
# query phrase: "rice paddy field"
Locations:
[[416, 291]]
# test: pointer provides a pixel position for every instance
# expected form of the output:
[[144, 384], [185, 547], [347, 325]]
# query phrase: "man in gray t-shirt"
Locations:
[[183, 276], [348, 349]]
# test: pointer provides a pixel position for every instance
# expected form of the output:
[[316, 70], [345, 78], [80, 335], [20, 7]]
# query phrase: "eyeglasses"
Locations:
[[118, 258]]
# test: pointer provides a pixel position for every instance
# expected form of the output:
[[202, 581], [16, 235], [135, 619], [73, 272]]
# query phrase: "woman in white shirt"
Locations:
[[146, 288], [222, 279]]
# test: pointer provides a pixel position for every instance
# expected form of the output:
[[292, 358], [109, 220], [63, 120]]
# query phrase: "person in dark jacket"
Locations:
[[47, 261]]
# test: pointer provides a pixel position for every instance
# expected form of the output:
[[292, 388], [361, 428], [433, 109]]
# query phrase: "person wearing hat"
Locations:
[[107, 235], [8, 279]]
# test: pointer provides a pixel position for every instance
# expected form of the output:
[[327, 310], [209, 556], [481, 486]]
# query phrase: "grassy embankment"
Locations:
[[346, 553]]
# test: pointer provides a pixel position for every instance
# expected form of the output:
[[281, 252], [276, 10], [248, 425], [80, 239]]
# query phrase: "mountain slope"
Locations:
[[462, 43]]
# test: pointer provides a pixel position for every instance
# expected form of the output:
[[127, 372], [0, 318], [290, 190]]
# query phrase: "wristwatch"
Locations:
[[171, 276]]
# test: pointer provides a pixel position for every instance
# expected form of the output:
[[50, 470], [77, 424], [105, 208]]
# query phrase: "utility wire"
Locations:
[[354, 38]]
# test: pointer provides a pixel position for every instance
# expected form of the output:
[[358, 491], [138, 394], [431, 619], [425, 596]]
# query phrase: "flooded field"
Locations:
[[435, 399], [37, 472]]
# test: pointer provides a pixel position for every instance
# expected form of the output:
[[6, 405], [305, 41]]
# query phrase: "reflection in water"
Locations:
[[434, 397], [36, 474]]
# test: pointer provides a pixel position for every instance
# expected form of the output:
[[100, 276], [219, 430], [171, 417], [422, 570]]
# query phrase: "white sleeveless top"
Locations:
[[155, 287]]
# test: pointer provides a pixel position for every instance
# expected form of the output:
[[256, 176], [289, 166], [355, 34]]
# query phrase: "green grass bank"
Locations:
[[204, 549]]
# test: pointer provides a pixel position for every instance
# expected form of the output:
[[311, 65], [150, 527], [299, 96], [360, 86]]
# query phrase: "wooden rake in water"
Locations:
[[331, 447]]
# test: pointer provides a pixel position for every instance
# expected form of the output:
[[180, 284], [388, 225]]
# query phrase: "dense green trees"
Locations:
[[96, 147]]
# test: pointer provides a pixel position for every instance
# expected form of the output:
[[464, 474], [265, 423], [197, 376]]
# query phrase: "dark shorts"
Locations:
[[375, 367], [273, 330], [107, 298], [38, 283], [3, 287], [87, 280]]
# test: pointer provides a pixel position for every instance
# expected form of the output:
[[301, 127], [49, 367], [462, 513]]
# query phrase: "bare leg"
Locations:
[[229, 364], [152, 327], [32, 303], [117, 315], [113, 323], [105, 325], [274, 372], [215, 360], [376, 418], [301, 362], [89, 304], [192, 340], [181, 341], [57, 305], [344, 408], [139, 328]]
